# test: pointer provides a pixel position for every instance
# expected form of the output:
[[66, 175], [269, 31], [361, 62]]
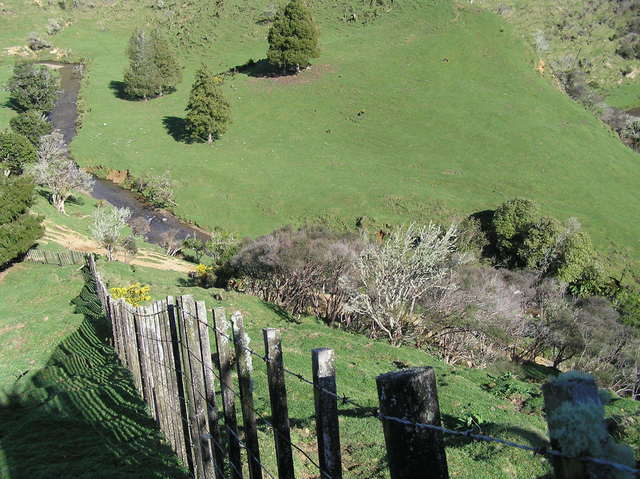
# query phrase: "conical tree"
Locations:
[[141, 79], [208, 112], [153, 66], [293, 37], [166, 62]]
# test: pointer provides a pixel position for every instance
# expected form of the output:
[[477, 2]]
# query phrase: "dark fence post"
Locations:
[[228, 398], [326, 406], [244, 366], [412, 452], [279, 408]]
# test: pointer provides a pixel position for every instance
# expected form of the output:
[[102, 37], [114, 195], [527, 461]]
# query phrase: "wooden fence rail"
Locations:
[[60, 258], [167, 348]]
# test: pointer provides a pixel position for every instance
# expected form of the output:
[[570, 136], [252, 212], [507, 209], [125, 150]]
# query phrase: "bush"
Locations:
[[156, 190], [18, 229], [302, 270], [135, 294], [31, 124], [15, 152], [511, 222], [33, 87]]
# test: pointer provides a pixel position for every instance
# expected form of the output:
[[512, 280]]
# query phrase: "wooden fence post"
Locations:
[[228, 397], [244, 365], [209, 386], [573, 398], [133, 355], [140, 317], [326, 406], [177, 384], [412, 452], [278, 398], [194, 387]]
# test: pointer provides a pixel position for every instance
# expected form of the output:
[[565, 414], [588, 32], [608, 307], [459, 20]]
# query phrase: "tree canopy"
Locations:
[[33, 87], [293, 37], [15, 153], [31, 124], [208, 112], [18, 229], [153, 66]]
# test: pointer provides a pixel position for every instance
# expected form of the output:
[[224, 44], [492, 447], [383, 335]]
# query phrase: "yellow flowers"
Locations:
[[202, 270], [135, 294]]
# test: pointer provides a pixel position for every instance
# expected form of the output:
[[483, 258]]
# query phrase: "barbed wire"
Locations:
[[265, 420], [344, 400]]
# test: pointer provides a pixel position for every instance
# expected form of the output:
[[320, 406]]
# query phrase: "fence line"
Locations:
[[61, 258], [166, 346]]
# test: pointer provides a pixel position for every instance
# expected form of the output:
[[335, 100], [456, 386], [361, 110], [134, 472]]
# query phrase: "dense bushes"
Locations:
[[155, 190], [31, 124], [18, 229], [419, 285], [16, 152], [33, 87]]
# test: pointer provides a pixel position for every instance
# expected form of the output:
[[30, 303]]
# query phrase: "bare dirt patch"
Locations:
[[7, 329], [305, 77], [73, 240]]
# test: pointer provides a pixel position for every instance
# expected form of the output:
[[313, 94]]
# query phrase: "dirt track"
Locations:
[[73, 240]]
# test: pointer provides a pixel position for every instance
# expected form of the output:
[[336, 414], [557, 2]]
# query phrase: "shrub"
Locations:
[[18, 228], [303, 270], [107, 227], [293, 37], [511, 223], [156, 190], [16, 152], [32, 125], [135, 294], [33, 87]]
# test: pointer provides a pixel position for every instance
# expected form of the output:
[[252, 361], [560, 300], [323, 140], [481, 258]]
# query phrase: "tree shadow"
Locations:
[[81, 415], [282, 313], [117, 87], [176, 127], [258, 69]]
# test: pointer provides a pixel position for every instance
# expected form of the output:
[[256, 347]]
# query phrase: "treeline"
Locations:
[[510, 282]]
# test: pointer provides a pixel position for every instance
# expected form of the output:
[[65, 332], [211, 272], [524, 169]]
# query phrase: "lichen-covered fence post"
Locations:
[[575, 418], [412, 452]]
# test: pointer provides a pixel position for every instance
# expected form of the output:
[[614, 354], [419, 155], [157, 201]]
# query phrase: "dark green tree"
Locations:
[[511, 221], [15, 153], [33, 87], [208, 112], [18, 228], [166, 62], [293, 38], [31, 124], [153, 66]]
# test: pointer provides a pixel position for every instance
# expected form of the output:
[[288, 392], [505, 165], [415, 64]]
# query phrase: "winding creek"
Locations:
[[64, 117]]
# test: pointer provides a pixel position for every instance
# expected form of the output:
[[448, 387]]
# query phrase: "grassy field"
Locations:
[[432, 104]]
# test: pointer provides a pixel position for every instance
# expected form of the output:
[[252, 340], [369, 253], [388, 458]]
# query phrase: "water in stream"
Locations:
[[64, 117]]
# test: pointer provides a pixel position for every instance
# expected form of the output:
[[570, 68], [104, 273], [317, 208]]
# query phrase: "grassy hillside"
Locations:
[[431, 104]]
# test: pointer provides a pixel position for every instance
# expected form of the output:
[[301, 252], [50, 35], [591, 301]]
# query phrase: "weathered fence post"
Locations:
[[245, 369], [177, 384], [326, 406], [133, 355], [209, 386], [228, 398], [572, 403], [412, 452], [278, 398], [194, 387], [140, 317]]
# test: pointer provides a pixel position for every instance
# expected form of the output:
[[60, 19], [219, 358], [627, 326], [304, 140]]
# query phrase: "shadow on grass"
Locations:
[[283, 314], [81, 416], [117, 87], [260, 69], [176, 127]]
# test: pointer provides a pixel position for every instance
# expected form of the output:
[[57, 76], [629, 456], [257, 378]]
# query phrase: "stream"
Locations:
[[64, 117]]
